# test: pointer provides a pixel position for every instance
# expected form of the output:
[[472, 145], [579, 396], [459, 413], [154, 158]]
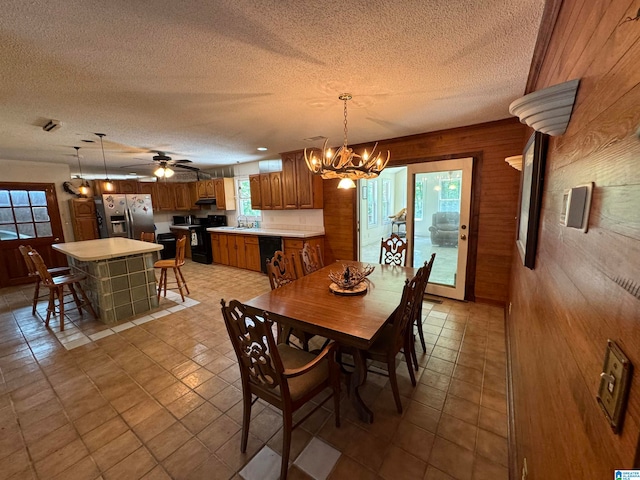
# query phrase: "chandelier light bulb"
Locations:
[[346, 183]]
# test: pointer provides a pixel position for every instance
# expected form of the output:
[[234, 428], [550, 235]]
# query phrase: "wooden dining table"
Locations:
[[353, 321]]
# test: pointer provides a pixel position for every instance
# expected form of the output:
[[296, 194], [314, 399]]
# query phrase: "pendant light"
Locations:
[[107, 185], [84, 186]]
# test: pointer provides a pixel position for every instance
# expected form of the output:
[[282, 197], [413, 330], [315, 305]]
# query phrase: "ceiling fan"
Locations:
[[165, 164]]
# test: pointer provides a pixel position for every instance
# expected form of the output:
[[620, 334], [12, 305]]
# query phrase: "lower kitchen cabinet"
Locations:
[[243, 251], [83, 219]]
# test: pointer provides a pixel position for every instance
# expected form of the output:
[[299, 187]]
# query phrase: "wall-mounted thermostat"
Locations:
[[576, 204]]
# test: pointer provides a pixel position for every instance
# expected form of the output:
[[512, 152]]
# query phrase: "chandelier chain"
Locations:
[[345, 123]]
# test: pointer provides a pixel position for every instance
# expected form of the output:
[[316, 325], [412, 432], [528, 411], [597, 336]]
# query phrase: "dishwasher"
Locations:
[[268, 246]]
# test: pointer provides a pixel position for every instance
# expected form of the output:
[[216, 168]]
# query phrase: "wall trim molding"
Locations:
[[545, 32]]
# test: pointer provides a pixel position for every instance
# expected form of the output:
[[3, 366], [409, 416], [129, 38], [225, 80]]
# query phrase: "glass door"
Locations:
[[438, 215]]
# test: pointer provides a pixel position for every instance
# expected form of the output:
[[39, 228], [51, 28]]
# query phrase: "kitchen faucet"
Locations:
[[240, 221]]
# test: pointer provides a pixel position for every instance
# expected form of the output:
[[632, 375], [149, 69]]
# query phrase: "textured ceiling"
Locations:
[[213, 80]]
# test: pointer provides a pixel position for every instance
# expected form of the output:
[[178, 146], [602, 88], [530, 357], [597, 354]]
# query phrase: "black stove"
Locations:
[[200, 239]]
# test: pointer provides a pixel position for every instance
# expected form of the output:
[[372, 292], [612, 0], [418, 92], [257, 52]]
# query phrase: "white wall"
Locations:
[[40, 172]]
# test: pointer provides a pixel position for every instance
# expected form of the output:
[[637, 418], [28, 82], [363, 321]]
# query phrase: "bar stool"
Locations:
[[31, 268], [175, 265], [56, 289], [148, 237]]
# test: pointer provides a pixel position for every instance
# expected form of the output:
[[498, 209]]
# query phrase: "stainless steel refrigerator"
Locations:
[[127, 216]]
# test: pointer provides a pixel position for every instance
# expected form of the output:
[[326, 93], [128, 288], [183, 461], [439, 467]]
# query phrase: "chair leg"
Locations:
[[61, 306], [166, 274], [184, 282], [86, 302], [287, 421], [246, 419], [391, 365], [51, 307], [75, 298], [178, 282], [160, 283], [336, 392], [414, 357], [36, 294], [408, 348], [420, 332]]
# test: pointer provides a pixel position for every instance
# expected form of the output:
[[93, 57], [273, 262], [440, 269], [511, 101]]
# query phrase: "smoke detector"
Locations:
[[52, 125]]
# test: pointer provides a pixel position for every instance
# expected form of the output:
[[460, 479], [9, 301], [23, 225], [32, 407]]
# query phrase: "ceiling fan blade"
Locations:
[[187, 167], [184, 160]]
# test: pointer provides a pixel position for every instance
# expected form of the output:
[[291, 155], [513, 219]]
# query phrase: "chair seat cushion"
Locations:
[[295, 358]]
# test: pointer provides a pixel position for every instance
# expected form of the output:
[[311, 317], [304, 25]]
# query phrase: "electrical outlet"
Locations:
[[615, 380]]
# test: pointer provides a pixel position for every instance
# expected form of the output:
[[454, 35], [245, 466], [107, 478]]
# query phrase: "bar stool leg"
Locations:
[[75, 298], [175, 273], [184, 282], [86, 302], [51, 307], [36, 294], [61, 306]]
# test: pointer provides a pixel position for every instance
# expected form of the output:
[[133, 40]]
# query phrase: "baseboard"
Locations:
[[511, 431]]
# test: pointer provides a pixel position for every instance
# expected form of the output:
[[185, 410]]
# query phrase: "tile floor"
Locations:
[[160, 399]]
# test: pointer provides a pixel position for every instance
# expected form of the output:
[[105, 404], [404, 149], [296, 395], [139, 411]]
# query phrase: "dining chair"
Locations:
[[281, 272], [56, 286], [33, 273], [310, 259], [395, 338], [422, 275], [283, 376], [393, 250], [148, 237], [175, 264]]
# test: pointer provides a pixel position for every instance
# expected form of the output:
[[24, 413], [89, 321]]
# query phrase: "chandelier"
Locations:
[[84, 186], [345, 163]]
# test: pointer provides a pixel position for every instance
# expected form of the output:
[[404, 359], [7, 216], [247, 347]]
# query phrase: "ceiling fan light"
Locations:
[[168, 173], [159, 172]]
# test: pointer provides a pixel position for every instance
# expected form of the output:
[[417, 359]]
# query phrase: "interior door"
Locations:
[[29, 215], [438, 213]]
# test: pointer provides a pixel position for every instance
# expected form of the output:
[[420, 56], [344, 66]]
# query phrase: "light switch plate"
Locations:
[[614, 385]]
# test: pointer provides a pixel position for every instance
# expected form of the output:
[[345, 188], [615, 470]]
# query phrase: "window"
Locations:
[[244, 200], [449, 195], [372, 202], [24, 214], [386, 201]]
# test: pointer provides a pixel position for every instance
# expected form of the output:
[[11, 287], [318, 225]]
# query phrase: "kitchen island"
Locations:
[[120, 280]]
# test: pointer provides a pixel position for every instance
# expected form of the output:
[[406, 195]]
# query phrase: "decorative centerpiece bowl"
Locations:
[[349, 280]]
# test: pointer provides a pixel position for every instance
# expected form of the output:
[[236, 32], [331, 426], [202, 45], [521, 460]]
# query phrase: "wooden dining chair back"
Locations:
[[32, 272], [175, 264], [310, 259], [393, 251], [148, 237], [283, 376], [423, 277], [56, 286], [395, 337], [280, 270]]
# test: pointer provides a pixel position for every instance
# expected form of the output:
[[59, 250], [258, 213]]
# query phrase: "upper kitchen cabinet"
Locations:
[[301, 188], [265, 191], [256, 195], [275, 180], [206, 188], [166, 197], [224, 193], [182, 197], [119, 186]]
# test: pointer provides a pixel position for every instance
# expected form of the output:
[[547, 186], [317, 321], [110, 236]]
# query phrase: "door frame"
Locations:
[[474, 217]]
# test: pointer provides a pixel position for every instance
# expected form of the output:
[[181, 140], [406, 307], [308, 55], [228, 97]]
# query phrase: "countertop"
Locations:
[[268, 232], [105, 248]]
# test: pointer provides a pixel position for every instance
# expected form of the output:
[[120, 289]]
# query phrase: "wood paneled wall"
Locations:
[[564, 311], [489, 143]]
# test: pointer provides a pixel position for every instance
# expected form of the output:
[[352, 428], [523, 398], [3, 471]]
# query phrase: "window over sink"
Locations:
[[244, 201]]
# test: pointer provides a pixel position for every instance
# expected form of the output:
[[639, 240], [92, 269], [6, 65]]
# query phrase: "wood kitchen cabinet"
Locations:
[[305, 190], [126, 186], [293, 188], [181, 196], [241, 251], [83, 219], [166, 197], [256, 195], [206, 188], [224, 193]]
